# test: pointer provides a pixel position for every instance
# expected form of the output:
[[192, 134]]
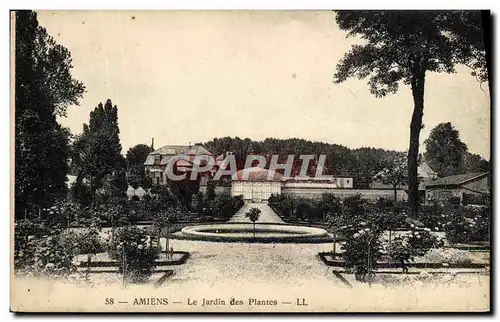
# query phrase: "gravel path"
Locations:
[[267, 214]]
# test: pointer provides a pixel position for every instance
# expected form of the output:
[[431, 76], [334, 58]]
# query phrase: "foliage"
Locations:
[[83, 240], [416, 243], [294, 209], [432, 215], [96, 152], [362, 163], [400, 47], [444, 151], [44, 88], [395, 172], [362, 251], [132, 248], [210, 195], [362, 232], [136, 156], [38, 250], [224, 206], [468, 224], [253, 214], [474, 163]]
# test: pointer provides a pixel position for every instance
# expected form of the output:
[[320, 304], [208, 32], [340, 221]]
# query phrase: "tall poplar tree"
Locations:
[[44, 88], [97, 152]]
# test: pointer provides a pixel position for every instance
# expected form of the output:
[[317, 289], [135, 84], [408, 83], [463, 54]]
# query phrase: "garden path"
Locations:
[[267, 214]]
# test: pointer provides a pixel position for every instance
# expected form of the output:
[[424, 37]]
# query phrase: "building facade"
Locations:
[[157, 161], [458, 186], [256, 184]]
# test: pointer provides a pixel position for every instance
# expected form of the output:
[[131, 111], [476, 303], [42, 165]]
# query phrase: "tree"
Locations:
[[136, 156], [44, 88], [210, 191], [395, 172], [97, 152], [444, 150], [253, 214], [474, 163], [164, 219], [401, 46]]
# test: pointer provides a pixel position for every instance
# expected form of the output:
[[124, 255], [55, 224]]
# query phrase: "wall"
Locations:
[[255, 190], [478, 185], [219, 190], [371, 194]]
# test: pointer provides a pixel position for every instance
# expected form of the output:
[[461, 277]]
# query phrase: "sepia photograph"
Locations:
[[249, 161]]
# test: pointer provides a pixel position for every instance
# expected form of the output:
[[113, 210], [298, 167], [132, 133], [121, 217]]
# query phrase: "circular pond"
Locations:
[[243, 232]]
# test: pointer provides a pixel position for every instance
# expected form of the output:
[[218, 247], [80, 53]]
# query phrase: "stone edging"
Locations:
[[340, 263], [159, 263]]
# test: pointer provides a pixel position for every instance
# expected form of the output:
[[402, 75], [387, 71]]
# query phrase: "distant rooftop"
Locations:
[[181, 149], [456, 179]]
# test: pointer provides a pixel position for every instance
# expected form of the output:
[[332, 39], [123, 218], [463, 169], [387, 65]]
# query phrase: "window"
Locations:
[[157, 158]]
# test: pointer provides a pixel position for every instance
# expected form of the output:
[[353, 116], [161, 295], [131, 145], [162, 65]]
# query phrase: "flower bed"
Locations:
[[179, 258], [336, 260]]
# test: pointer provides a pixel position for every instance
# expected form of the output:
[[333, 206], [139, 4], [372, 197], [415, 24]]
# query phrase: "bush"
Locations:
[[361, 253], [418, 242], [362, 231], [82, 242], [421, 241], [454, 201], [432, 215], [135, 253], [38, 250], [474, 199], [468, 224]]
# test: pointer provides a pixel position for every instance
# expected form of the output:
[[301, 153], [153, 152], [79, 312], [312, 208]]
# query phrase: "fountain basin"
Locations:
[[244, 232]]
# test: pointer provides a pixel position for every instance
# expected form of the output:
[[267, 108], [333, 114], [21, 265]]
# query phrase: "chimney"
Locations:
[[152, 143]]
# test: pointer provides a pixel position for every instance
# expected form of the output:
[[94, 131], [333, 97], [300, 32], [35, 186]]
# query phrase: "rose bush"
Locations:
[[38, 250], [468, 224], [135, 253]]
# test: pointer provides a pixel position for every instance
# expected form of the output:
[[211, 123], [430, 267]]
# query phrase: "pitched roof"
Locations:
[[456, 179], [257, 174], [181, 149], [168, 151], [424, 170]]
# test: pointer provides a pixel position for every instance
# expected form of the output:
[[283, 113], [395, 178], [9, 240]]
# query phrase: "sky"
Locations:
[[181, 77]]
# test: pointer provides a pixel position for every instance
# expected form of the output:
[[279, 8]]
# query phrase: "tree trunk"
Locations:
[[417, 89], [254, 229], [167, 242]]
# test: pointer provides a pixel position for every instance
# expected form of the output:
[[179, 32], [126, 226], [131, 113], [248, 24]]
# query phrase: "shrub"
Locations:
[[133, 250], [38, 250], [362, 231], [52, 258], [400, 252], [454, 201], [474, 199], [422, 240], [431, 215], [84, 241], [468, 224], [26, 236], [361, 253], [418, 242]]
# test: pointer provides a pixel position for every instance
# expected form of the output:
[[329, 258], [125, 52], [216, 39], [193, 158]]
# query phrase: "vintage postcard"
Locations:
[[250, 161]]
